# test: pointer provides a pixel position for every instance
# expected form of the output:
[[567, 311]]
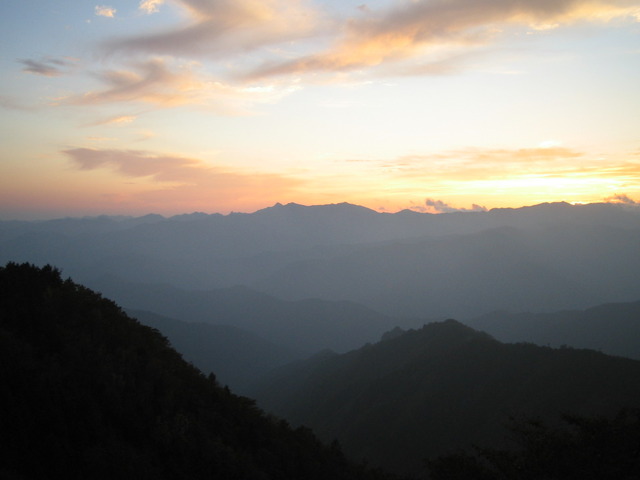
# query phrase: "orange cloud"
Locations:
[[155, 82], [621, 198], [151, 82], [115, 121], [187, 183]]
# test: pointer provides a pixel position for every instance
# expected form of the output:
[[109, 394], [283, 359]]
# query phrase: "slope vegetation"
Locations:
[[442, 388], [88, 392]]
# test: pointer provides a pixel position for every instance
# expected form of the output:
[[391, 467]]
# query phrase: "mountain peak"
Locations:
[[330, 208]]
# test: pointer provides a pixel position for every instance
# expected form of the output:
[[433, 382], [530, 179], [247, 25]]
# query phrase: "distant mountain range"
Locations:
[[612, 328], [537, 269], [542, 258], [302, 327], [442, 388]]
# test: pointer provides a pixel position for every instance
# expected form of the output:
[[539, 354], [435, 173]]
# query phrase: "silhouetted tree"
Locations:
[[582, 447]]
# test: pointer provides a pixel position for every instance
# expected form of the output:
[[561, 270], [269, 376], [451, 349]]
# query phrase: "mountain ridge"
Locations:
[[441, 388], [612, 328], [295, 252], [304, 326]]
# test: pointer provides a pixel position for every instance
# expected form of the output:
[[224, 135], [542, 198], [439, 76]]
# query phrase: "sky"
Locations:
[[176, 106]]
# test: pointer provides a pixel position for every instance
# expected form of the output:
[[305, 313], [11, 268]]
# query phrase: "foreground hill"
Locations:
[[442, 388], [580, 447], [612, 328], [88, 392]]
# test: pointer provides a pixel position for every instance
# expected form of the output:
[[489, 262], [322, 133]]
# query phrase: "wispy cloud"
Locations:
[[144, 135], [277, 45], [155, 82], [135, 163], [187, 182], [105, 11], [438, 206], [486, 163], [120, 120], [623, 199], [48, 67], [427, 31], [221, 27], [11, 103], [431, 205]]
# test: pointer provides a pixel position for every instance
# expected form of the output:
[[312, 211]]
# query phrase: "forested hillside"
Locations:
[[442, 388], [606, 448], [88, 392]]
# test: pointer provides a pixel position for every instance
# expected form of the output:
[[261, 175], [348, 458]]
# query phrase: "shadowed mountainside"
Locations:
[[88, 392], [442, 388], [602, 447]]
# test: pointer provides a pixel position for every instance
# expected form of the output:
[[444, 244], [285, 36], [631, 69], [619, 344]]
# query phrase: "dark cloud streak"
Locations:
[[49, 67]]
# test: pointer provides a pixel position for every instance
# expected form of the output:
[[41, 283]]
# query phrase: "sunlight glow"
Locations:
[[239, 105]]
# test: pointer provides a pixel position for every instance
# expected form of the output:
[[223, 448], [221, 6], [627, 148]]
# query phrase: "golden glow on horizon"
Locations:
[[171, 107]]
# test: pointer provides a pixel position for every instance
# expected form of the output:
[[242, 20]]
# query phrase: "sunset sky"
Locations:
[[175, 106]]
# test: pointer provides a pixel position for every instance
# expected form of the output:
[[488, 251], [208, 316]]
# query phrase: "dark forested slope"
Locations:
[[442, 388], [602, 447], [88, 392]]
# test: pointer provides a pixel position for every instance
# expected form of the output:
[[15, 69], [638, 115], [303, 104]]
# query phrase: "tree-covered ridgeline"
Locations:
[[443, 388], [88, 392], [606, 448]]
